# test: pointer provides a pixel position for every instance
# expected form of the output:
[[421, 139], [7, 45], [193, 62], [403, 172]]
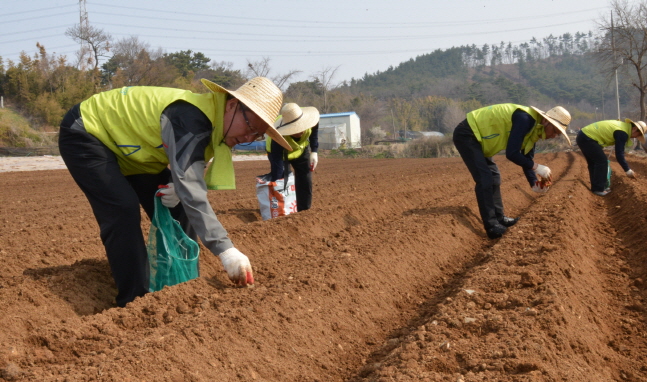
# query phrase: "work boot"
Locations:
[[509, 222], [496, 231]]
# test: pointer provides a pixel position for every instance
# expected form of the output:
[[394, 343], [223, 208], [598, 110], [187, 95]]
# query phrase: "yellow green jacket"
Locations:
[[602, 132], [127, 121], [297, 145], [492, 124]]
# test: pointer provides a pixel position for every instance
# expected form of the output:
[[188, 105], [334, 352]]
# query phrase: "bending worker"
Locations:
[[594, 137], [300, 128], [515, 129], [120, 145]]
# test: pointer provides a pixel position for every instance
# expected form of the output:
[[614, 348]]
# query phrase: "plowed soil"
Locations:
[[389, 277]]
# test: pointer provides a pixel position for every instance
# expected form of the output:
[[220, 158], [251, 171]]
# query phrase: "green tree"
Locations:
[[187, 61], [222, 73]]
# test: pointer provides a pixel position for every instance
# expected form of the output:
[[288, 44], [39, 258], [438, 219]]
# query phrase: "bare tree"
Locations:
[[325, 78], [453, 116], [262, 68], [624, 46], [130, 47], [97, 40], [259, 68], [283, 79]]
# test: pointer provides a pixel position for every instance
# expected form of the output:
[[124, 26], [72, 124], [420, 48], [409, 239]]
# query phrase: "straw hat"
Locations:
[[642, 127], [295, 119], [558, 117], [262, 97]]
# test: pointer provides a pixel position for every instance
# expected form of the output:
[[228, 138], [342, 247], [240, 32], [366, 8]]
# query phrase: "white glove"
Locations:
[[314, 159], [539, 187], [543, 172], [168, 195], [237, 266], [631, 174]]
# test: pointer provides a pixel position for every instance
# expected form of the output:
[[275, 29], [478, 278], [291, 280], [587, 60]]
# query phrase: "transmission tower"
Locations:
[[83, 14], [84, 26]]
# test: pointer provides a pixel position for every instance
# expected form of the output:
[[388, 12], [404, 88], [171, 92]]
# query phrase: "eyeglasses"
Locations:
[[254, 132]]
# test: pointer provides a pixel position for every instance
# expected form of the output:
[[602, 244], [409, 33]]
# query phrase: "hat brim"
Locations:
[[271, 131], [308, 120], [641, 138], [558, 125]]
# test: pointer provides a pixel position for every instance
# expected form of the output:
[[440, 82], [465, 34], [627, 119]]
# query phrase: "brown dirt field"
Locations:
[[388, 278]]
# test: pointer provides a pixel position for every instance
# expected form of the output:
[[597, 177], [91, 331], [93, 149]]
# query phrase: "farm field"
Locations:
[[389, 277]]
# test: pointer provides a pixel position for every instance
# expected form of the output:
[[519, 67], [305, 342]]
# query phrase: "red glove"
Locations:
[[168, 195]]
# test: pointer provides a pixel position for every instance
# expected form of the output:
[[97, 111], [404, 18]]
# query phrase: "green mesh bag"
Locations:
[[608, 185], [173, 256]]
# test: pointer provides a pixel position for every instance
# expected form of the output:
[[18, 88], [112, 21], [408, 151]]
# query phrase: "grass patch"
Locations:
[[16, 131]]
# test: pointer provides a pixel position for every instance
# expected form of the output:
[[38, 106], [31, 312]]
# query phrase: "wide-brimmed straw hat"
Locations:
[[558, 117], [295, 119], [262, 97], [642, 127]]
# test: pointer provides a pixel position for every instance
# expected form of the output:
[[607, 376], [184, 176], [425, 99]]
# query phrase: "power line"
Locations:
[[312, 23], [31, 18], [4, 14], [32, 30]]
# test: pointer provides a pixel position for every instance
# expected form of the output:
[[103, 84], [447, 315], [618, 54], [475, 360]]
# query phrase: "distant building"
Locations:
[[339, 130]]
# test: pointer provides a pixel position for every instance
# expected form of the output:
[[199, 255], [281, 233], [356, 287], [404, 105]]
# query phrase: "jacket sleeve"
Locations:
[[186, 132], [621, 140], [276, 161], [522, 124], [314, 139]]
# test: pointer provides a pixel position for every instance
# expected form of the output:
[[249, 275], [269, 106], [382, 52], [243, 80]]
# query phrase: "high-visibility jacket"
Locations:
[[602, 131], [492, 124], [127, 121], [297, 145]]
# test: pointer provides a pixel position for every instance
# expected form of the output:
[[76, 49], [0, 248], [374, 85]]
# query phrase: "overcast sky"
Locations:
[[358, 36]]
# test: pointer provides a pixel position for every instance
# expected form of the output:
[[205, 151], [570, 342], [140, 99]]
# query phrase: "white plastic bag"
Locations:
[[273, 200]]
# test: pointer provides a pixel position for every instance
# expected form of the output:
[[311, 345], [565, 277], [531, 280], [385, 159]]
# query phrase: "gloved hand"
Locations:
[[543, 172], [540, 187], [168, 195], [631, 174], [314, 159], [237, 266]]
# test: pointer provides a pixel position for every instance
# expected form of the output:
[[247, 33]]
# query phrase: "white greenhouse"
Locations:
[[339, 130]]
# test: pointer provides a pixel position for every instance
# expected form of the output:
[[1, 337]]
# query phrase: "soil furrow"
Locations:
[[388, 277]]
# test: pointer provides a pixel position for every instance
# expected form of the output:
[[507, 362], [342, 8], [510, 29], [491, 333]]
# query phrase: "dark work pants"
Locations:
[[485, 173], [303, 180], [596, 161], [115, 200]]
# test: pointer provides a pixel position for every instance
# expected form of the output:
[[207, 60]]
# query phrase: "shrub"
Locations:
[[47, 109]]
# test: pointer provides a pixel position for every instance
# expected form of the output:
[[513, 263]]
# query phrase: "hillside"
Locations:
[[433, 92], [16, 131]]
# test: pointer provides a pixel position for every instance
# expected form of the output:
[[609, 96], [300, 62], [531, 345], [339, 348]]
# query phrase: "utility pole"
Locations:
[[613, 47]]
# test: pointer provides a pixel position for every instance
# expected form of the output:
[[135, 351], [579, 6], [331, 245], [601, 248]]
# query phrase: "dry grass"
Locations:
[[15, 131]]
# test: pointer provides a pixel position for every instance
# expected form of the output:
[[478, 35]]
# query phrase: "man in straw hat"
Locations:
[[122, 144], [515, 129], [300, 128], [594, 137]]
